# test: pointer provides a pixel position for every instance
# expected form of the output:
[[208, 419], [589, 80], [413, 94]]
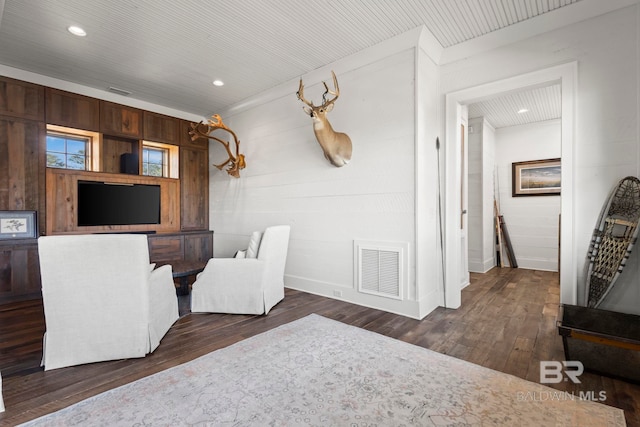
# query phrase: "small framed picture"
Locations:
[[536, 178], [18, 225]]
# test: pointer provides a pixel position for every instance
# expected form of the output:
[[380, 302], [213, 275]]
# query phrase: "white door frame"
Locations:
[[567, 76]]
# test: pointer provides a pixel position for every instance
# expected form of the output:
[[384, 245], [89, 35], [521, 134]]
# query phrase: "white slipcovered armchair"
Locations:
[[102, 299], [250, 285]]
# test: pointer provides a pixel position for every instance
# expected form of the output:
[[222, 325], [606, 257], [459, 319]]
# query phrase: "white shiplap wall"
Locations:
[[532, 222], [288, 180], [489, 194], [481, 196], [474, 202], [606, 135], [606, 132]]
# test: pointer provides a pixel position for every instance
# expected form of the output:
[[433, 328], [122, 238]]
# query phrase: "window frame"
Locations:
[[92, 145], [170, 168]]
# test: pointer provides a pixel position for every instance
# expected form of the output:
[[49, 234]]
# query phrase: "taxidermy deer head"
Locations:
[[235, 162], [335, 145]]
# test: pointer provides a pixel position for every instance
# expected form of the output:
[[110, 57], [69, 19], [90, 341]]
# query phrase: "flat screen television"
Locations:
[[101, 203]]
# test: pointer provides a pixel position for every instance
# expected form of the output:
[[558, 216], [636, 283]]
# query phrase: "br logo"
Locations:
[[554, 372]]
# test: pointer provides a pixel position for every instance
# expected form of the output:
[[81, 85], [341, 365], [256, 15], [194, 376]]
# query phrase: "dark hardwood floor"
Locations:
[[507, 322]]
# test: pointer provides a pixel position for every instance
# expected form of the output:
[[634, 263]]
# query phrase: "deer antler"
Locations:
[[325, 103], [236, 162], [300, 94], [335, 93]]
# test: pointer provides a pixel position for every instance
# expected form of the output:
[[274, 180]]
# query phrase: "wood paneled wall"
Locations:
[[19, 271], [194, 188], [112, 148], [21, 162], [72, 110], [21, 99], [27, 184]]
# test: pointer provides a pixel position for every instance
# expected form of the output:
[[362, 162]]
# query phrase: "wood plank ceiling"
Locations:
[[528, 106], [168, 52]]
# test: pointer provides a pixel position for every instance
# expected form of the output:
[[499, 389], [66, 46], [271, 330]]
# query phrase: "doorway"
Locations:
[[456, 102], [506, 130]]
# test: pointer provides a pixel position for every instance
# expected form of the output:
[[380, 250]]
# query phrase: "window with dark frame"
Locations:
[[155, 161], [67, 151]]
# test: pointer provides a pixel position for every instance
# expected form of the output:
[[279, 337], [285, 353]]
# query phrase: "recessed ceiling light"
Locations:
[[218, 83], [77, 31], [522, 111]]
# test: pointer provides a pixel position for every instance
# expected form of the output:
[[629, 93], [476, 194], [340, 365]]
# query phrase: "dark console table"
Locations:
[[182, 269]]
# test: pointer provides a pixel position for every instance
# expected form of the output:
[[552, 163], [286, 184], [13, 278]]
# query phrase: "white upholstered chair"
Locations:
[[102, 298], [244, 285]]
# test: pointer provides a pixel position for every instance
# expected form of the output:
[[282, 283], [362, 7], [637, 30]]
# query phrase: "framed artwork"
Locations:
[[18, 225], [536, 178]]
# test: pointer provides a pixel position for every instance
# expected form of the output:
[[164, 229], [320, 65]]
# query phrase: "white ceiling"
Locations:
[[168, 52], [541, 104]]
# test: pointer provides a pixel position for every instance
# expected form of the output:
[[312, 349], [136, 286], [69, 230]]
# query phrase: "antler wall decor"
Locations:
[[335, 145], [235, 162]]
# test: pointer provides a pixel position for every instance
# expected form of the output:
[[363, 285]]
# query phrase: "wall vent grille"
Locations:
[[380, 270], [119, 91]]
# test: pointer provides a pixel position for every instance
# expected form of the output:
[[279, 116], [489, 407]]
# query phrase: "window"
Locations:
[[155, 161], [68, 151], [159, 159], [69, 148]]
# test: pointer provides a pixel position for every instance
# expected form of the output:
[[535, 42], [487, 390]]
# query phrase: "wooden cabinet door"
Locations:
[[185, 138], [21, 99], [194, 189], [166, 248], [120, 120], [19, 271], [72, 110], [160, 128], [22, 165], [198, 246]]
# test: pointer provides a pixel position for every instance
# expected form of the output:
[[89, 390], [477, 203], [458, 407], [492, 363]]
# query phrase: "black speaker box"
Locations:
[[129, 163]]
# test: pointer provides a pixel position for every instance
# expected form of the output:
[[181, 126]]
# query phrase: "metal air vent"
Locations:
[[119, 91], [380, 268]]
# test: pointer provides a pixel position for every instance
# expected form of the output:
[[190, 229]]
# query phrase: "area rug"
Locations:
[[320, 372]]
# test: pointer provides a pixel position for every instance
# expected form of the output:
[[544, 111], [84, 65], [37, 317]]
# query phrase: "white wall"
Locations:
[[607, 111], [288, 180], [532, 222], [429, 257], [474, 189], [374, 197], [489, 193], [481, 194]]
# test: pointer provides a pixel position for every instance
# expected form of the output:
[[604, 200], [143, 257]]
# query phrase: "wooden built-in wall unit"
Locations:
[[62, 197], [26, 183]]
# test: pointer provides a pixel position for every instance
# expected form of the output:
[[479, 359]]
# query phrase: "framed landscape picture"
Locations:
[[536, 178], [18, 225]]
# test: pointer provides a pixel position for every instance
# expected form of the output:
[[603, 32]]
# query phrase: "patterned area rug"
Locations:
[[319, 372]]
